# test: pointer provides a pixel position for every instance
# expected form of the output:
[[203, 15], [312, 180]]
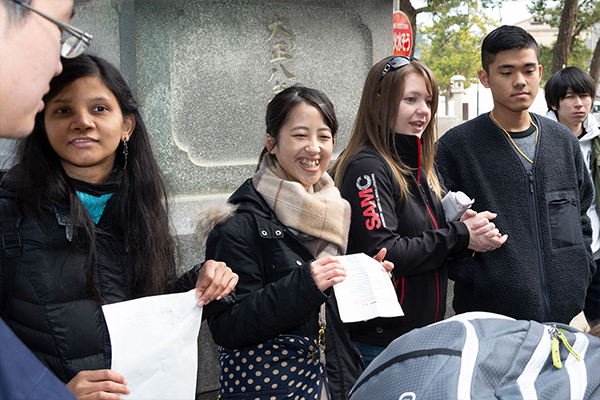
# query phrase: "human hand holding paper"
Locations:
[[154, 344], [327, 271], [98, 384], [367, 291], [388, 265], [215, 281]]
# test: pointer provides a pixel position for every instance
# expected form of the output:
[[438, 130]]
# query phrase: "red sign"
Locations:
[[403, 37]]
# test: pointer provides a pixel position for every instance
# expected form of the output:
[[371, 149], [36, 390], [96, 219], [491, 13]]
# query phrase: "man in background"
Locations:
[[570, 96]]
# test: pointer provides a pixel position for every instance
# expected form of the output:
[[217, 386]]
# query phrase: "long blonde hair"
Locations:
[[376, 119]]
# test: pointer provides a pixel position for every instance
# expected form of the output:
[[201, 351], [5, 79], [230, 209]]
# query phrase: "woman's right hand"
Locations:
[[327, 271], [101, 384], [483, 234]]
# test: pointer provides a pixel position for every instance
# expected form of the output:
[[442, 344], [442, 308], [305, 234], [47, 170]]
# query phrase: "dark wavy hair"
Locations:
[[139, 205], [285, 101]]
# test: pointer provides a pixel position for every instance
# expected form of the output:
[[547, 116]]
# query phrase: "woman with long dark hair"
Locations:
[[387, 174], [94, 227]]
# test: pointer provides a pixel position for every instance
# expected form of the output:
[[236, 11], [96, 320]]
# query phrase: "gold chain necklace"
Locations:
[[537, 132]]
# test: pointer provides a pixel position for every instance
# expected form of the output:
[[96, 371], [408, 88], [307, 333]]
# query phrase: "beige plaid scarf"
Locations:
[[319, 214]]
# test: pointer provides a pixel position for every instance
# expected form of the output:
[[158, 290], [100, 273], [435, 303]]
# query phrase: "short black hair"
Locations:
[[506, 37], [572, 78], [15, 12]]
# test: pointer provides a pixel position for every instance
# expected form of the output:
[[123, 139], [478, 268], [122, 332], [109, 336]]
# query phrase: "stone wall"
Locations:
[[204, 71]]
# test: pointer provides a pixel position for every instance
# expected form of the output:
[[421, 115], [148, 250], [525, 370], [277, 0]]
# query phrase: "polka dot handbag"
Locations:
[[287, 367]]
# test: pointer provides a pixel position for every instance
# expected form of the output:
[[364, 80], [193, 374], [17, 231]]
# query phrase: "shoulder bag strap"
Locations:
[[324, 395]]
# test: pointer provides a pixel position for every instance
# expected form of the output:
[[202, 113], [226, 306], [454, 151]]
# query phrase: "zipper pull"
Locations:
[[530, 173], [568, 346], [553, 331]]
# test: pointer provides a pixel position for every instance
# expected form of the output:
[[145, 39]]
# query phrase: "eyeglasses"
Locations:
[[74, 45], [395, 63]]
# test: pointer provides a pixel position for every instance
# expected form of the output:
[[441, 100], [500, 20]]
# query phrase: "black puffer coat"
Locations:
[[276, 293], [50, 308]]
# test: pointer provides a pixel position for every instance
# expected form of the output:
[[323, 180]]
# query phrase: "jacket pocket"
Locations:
[[564, 217], [279, 263]]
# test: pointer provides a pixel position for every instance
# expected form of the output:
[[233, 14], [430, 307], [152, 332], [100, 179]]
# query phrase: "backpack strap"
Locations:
[[10, 220]]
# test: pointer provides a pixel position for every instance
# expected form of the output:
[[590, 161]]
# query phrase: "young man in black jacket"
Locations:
[[569, 95], [531, 172]]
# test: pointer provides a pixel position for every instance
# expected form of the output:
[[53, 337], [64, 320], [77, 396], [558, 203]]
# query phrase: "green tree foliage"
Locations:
[[579, 57], [455, 39], [588, 14], [436, 7]]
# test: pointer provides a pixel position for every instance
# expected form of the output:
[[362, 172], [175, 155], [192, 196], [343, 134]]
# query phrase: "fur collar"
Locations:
[[211, 215]]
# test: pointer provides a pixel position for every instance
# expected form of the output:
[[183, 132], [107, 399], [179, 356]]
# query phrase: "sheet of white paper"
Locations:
[[367, 292], [155, 344]]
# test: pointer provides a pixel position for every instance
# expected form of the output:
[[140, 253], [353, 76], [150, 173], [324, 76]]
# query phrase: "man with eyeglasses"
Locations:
[[30, 50]]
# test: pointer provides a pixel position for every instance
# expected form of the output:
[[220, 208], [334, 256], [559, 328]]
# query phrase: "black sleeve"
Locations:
[[447, 168], [368, 187], [10, 218], [185, 282], [260, 311]]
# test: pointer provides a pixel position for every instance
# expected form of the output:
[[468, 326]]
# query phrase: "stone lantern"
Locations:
[[458, 89]]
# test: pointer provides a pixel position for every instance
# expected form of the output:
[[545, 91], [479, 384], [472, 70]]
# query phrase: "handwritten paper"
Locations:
[[367, 292], [155, 344]]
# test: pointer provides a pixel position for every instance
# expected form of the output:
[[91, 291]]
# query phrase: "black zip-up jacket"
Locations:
[[50, 308], [544, 269], [414, 231], [276, 293]]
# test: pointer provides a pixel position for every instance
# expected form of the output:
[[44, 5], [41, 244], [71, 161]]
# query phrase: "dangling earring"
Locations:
[[125, 153]]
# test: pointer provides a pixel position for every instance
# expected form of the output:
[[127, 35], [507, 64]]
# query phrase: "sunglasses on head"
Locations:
[[396, 63]]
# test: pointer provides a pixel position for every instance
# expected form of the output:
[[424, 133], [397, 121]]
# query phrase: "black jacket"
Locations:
[[50, 308], [414, 232], [276, 293], [543, 270]]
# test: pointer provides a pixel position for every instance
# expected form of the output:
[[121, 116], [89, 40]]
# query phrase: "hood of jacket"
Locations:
[[245, 198], [589, 124]]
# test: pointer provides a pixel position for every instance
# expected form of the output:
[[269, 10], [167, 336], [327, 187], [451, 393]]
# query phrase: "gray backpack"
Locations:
[[485, 356]]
